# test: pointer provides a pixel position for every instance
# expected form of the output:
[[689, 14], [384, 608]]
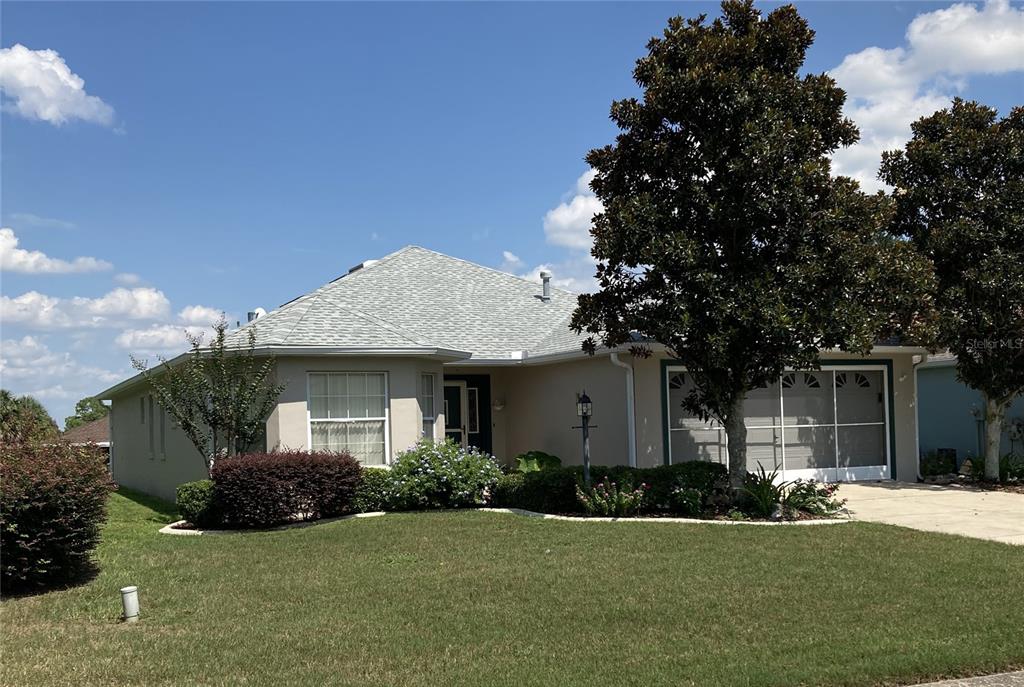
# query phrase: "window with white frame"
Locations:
[[347, 412], [427, 404]]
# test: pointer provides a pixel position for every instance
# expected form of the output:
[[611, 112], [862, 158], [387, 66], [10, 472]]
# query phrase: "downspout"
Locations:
[[917, 417], [630, 408]]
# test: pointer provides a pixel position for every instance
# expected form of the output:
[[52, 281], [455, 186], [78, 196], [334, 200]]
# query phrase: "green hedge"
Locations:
[[554, 491], [195, 503]]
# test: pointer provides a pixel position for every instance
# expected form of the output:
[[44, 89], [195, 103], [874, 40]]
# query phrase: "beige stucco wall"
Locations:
[[650, 437], [538, 412], [540, 409], [288, 425], [133, 465]]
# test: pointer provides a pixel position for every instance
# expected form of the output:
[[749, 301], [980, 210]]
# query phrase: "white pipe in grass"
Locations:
[[130, 603]]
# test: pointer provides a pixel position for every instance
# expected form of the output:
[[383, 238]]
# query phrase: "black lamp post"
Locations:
[[585, 408]]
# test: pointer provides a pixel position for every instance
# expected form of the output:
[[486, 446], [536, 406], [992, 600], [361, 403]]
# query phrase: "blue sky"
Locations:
[[234, 155]]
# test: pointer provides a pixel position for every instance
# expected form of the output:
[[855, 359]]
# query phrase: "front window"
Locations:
[[427, 404], [347, 413]]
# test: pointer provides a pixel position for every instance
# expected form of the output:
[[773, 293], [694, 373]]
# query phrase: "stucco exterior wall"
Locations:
[[133, 465], [539, 409], [288, 425]]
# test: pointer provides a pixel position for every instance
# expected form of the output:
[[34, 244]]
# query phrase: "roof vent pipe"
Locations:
[[255, 314], [545, 279]]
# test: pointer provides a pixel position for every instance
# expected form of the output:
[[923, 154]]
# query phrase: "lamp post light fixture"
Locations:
[[584, 409]]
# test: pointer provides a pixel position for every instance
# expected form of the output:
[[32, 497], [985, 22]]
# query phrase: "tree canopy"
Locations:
[[86, 410], [23, 418], [724, 235], [959, 196]]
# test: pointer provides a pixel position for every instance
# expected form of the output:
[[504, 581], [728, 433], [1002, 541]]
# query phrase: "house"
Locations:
[[953, 414], [95, 432], [422, 344]]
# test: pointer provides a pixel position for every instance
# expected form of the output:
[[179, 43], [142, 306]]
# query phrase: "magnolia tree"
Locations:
[[724, 235], [220, 395], [959, 194]]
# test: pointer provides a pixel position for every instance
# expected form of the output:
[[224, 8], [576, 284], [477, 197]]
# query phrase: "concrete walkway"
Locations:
[[994, 515], [1001, 680]]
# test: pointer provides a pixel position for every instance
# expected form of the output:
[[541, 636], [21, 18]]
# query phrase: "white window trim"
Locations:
[[423, 417], [386, 418], [822, 474]]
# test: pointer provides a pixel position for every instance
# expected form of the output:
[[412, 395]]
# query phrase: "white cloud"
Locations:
[[128, 279], [160, 337], [28, 366], [889, 89], [568, 224], [510, 262], [14, 259], [29, 220], [39, 311], [200, 315], [38, 84]]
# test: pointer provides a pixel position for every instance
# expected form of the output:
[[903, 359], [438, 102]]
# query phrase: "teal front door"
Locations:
[[455, 407]]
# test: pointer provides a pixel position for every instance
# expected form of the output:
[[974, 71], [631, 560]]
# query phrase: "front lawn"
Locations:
[[486, 599]]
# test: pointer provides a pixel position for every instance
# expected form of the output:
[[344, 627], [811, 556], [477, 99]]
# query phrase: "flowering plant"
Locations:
[[608, 499], [441, 474], [810, 496]]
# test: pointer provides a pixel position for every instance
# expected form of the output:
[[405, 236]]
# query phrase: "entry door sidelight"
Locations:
[[456, 406]]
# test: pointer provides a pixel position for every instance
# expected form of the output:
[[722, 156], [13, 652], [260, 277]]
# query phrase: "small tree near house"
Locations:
[[220, 395], [959, 194], [724, 235]]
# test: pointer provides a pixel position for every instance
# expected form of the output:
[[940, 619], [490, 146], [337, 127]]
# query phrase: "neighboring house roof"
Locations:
[[95, 432], [417, 298]]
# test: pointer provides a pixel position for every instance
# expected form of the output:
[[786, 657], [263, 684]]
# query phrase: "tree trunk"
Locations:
[[736, 431], [994, 414]]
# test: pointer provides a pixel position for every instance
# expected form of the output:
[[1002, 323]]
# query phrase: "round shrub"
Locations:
[[266, 489], [442, 474], [52, 503], [372, 493], [507, 490], [195, 503]]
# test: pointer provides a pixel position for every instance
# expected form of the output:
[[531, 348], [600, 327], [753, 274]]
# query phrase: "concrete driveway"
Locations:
[[994, 515]]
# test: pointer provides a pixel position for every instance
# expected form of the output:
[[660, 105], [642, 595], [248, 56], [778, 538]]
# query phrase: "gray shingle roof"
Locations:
[[419, 298]]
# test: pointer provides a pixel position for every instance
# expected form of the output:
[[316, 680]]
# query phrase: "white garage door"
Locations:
[[829, 425]]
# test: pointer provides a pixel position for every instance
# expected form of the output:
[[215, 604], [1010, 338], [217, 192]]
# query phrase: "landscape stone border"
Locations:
[[171, 528]]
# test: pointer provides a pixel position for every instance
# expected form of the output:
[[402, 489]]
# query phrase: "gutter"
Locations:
[[917, 417], [630, 407]]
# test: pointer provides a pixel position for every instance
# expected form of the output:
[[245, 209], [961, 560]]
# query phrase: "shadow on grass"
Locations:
[[164, 511], [82, 574]]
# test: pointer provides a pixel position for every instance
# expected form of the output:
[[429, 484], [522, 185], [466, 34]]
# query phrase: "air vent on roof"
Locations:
[[545, 278], [256, 314], [364, 263]]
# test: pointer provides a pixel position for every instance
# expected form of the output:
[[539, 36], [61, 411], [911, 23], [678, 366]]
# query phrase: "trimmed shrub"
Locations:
[[266, 489], [372, 492], [52, 503], [196, 503], [506, 490], [442, 474], [554, 491]]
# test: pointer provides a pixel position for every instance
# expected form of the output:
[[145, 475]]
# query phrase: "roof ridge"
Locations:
[[392, 327], [488, 268]]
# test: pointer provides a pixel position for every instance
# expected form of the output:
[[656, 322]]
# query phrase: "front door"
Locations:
[[456, 409]]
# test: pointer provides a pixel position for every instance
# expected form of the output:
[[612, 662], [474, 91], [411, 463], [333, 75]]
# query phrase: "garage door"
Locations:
[[829, 425]]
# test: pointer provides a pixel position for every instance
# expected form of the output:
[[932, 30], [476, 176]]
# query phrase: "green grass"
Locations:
[[486, 599]]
